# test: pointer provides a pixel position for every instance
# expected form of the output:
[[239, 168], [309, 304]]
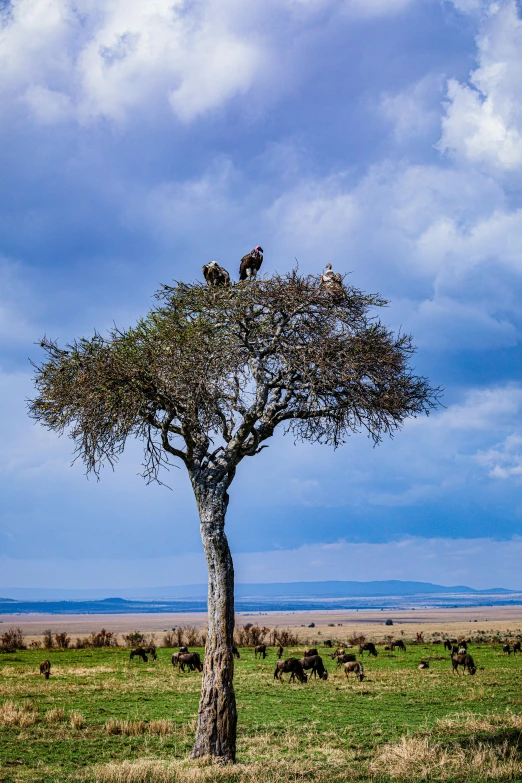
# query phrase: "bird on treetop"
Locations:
[[251, 263]]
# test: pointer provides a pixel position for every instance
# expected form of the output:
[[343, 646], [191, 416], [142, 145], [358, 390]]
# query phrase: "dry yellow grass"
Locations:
[[151, 771], [418, 758], [129, 728], [12, 714], [76, 720], [55, 715]]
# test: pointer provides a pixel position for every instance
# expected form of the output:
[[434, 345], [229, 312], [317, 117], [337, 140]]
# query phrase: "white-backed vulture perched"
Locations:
[[332, 282]]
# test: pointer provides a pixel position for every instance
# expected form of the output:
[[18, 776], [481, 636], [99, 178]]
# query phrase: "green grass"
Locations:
[[334, 730]]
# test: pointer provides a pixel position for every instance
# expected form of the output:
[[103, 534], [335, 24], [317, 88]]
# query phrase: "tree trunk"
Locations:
[[217, 716]]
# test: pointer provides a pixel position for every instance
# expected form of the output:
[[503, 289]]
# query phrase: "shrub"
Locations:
[[283, 636], [134, 639], [169, 639], [62, 640], [35, 644], [356, 638], [48, 641], [12, 640]]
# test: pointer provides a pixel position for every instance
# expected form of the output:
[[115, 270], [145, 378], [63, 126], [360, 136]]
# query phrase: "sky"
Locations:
[[141, 140]]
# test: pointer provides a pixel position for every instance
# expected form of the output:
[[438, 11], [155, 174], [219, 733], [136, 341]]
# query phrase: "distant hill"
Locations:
[[331, 589]]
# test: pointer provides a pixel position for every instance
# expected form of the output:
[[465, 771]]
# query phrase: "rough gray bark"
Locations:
[[217, 715]]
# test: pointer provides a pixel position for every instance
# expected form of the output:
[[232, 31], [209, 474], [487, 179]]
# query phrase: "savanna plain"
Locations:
[[101, 717]]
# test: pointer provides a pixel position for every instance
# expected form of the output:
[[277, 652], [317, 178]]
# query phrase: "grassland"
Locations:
[[102, 718]]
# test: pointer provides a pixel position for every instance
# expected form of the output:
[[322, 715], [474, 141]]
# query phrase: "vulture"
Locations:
[[215, 275], [251, 263], [332, 282]]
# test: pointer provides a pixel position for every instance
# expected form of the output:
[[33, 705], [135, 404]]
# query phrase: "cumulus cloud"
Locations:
[[107, 59], [483, 120], [504, 460]]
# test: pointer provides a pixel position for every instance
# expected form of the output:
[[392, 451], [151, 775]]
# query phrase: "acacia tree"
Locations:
[[204, 380]]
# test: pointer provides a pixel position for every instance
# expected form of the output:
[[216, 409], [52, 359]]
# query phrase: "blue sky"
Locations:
[[140, 140]]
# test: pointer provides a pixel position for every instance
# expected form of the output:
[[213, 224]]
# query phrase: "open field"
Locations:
[[104, 719], [450, 622]]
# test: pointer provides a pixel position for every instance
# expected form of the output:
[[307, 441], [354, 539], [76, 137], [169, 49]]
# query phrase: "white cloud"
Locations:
[[504, 460], [483, 121], [107, 59], [413, 112]]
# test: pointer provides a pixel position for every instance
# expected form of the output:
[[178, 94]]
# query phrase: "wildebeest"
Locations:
[[151, 651], [346, 658], [310, 652], [235, 652], [140, 652], [463, 643], [327, 643], [315, 663], [423, 665], [192, 660], [447, 645], [400, 644], [339, 651], [369, 647], [291, 665], [507, 649], [280, 652], [261, 650], [462, 651], [175, 658], [355, 667], [183, 649], [45, 669], [516, 647], [466, 661]]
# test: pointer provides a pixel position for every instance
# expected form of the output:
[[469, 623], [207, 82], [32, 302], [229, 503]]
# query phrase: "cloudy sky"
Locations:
[[140, 140]]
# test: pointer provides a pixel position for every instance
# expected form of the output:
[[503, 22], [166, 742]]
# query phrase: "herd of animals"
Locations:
[[216, 275], [312, 662]]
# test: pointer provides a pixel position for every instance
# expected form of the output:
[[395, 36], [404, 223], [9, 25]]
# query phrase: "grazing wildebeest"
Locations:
[[291, 665], [339, 651], [516, 647], [356, 668], [183, 649], [235, 652], [466, 661], [328, 643], [192, 660], [447, 645], [261, 650], [175, 658], [45, 669], [151, 651], [346, 658], [454, 649], [140, 652], [280, 652], [507, 649], [310, 652], [423, 665], [369, 647], [400, 644], [463, 643], [315, 663]]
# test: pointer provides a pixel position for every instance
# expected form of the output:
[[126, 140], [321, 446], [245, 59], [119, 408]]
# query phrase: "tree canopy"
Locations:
[[209, 374]]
